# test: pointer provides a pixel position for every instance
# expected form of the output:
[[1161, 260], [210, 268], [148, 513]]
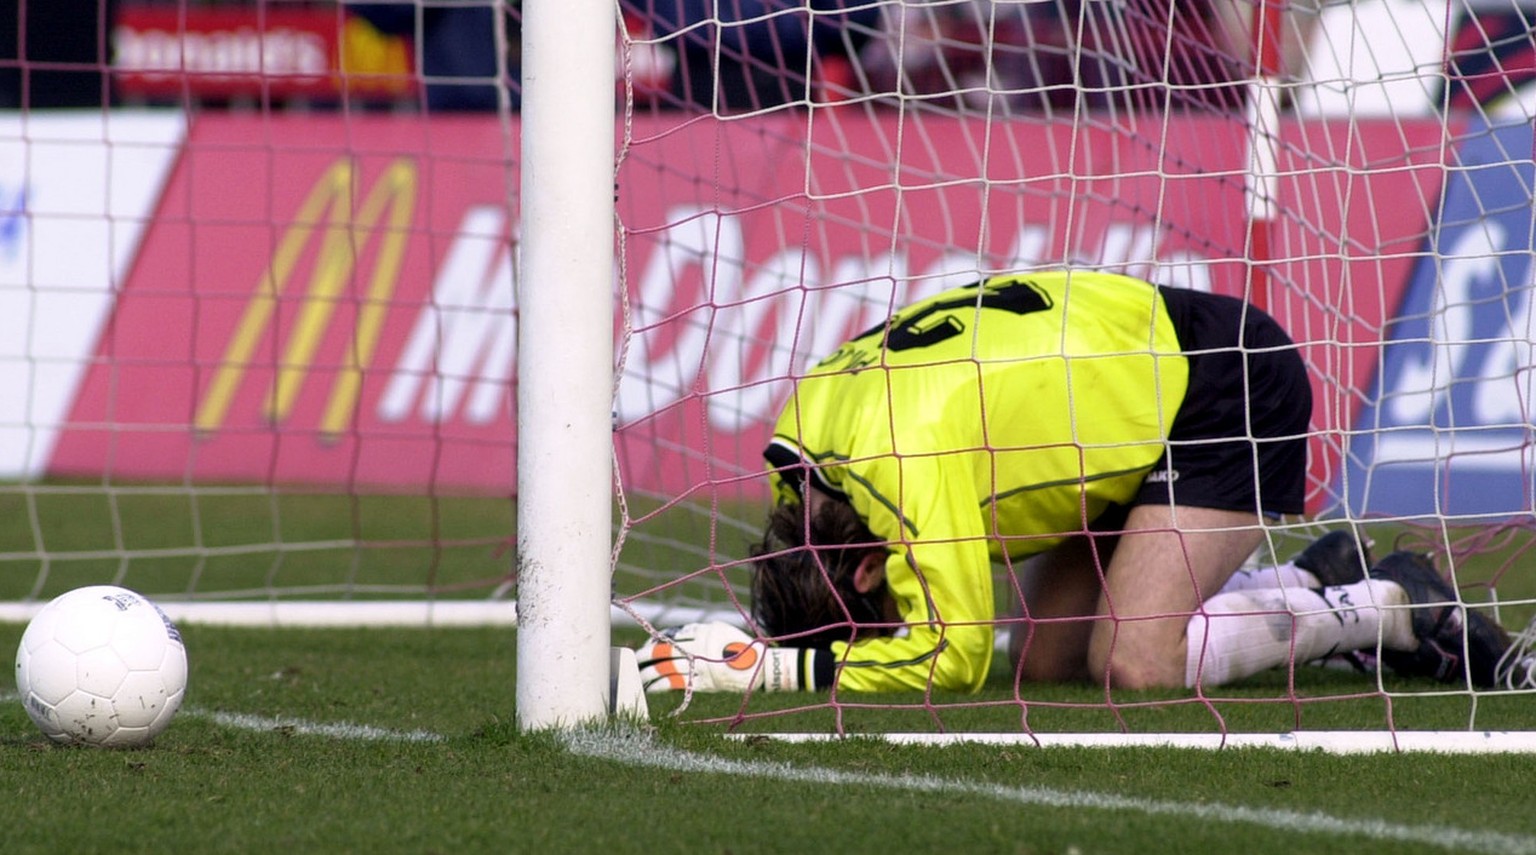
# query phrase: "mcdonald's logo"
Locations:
[[347, 235]]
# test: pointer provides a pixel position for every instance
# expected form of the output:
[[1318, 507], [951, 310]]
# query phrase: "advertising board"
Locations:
[[332, 300]]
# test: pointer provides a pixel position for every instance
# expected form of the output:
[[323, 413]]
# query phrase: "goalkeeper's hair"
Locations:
[[802, 576]]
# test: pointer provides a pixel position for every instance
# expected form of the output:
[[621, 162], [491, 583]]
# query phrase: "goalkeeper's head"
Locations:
[[819, 577]]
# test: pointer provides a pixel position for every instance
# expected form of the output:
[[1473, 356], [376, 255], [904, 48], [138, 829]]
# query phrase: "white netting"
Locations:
[[1363, 171]]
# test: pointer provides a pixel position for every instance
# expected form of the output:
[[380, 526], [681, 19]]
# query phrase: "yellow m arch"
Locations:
[[346, 236]]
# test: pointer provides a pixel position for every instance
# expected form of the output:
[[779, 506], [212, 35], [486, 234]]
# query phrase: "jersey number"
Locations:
[[904, 333]]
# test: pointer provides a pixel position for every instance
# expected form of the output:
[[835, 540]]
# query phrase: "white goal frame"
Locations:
[[566, 138], [565, 343]]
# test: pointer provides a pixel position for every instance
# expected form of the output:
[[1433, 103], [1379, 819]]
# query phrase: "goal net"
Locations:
[[258, 282], [792, 174], [260, 264]]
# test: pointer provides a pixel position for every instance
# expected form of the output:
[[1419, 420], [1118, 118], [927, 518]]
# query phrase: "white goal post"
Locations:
[[565, 391]]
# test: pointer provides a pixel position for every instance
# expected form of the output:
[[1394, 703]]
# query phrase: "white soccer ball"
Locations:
[[101, 666]]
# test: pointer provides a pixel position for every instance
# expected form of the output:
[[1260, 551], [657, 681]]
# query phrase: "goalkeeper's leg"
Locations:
[[1339, 557], [1048, 641], [1243, 632], [1246, 627], [1167, 560]]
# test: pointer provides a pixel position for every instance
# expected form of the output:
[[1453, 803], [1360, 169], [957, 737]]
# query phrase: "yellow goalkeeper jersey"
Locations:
[[988, 421]]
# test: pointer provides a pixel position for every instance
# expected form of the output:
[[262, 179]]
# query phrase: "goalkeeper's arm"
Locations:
[[718, 657]]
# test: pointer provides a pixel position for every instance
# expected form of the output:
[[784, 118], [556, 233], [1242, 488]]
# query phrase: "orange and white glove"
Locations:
[[716, 657]]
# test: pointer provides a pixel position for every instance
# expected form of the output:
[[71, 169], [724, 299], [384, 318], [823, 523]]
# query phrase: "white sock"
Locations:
[[1286, 575], [1242, 632]]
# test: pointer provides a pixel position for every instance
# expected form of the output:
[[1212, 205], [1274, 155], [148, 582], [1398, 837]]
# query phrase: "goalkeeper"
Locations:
[[1116, 443]]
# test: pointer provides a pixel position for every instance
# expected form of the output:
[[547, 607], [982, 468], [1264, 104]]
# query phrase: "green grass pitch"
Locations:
[[404, 741], [383, 741]]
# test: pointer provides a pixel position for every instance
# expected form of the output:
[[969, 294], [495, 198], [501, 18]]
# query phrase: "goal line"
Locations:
[[1328, 742]]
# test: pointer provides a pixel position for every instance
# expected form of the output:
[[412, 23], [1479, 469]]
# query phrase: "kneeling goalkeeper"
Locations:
[[1116, 443]]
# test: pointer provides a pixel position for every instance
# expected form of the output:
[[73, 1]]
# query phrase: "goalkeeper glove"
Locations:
[[716, 657]]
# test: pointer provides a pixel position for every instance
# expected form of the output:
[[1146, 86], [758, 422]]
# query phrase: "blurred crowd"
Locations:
[[969, 52], [742, 55]]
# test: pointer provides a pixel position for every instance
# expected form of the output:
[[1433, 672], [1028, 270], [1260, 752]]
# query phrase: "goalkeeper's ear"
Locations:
[[869, 576]]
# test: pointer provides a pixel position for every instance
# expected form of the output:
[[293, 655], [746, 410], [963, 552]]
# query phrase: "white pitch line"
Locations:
[[285, 724], [333, 730], [638, 749]]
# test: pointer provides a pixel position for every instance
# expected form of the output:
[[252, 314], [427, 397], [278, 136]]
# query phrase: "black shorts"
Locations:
[[1239, 441]]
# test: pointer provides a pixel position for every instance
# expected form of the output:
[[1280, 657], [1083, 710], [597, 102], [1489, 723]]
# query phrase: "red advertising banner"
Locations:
[[734, 237], [326, 299], [275, 325]]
